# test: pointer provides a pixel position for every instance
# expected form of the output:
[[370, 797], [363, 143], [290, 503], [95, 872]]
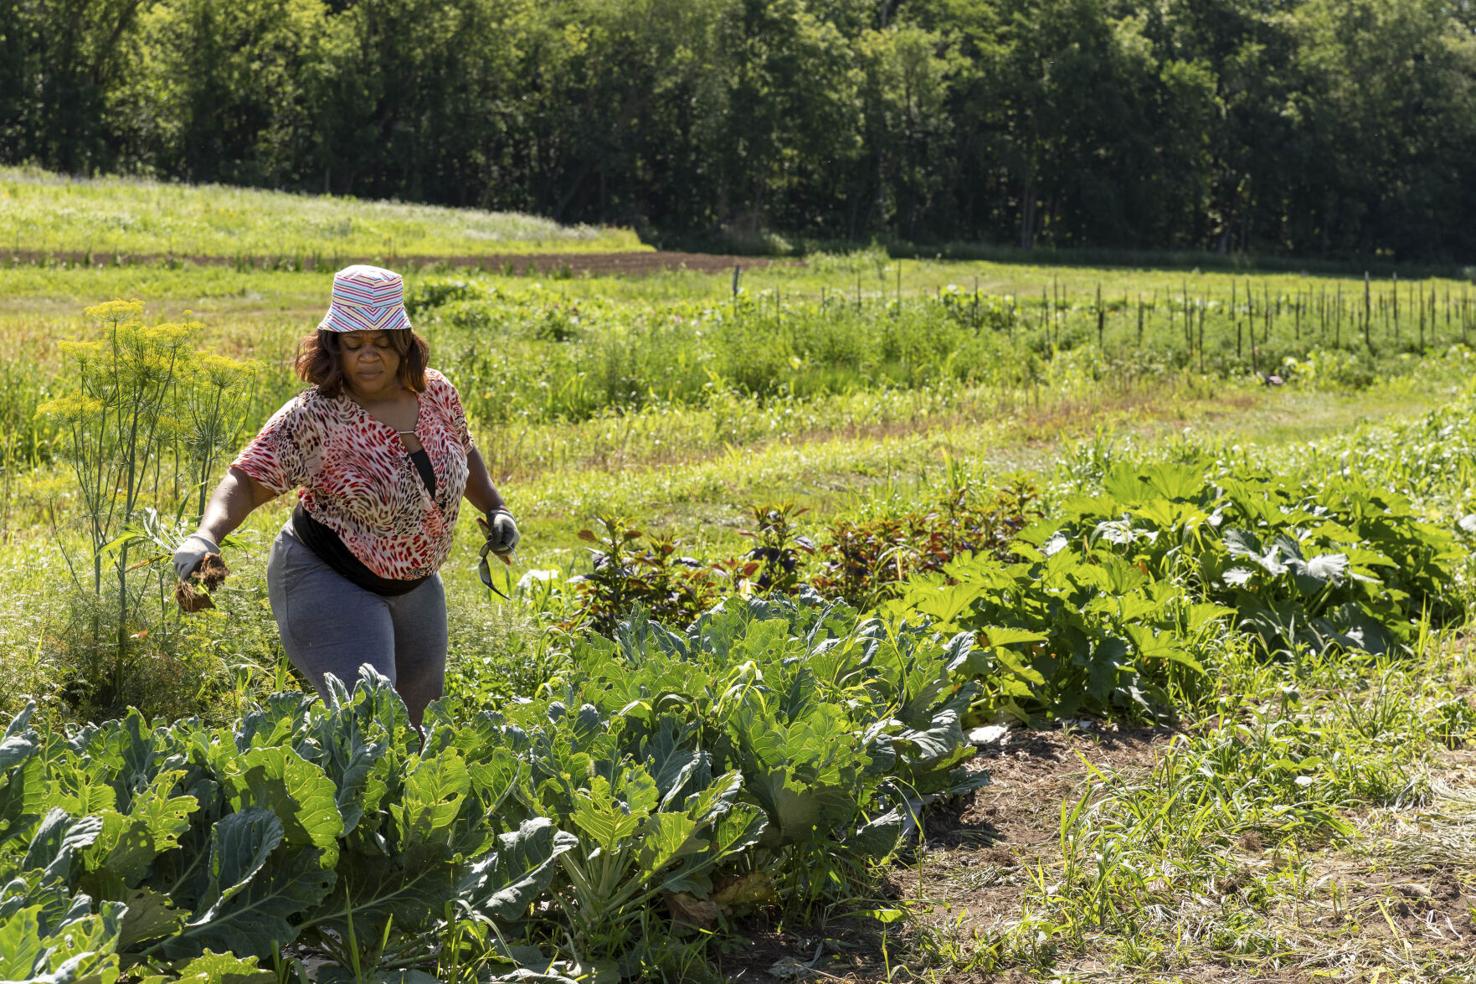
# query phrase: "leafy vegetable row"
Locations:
[[1112, 604], [764, 757]]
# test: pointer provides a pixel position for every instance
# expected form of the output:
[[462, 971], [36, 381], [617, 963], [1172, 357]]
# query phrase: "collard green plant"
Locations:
[[765, 756], [320, 825]]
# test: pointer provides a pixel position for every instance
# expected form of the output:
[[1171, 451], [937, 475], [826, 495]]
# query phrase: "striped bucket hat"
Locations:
[[366, 298]]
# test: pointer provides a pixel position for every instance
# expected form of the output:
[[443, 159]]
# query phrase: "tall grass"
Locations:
[[47, 212]]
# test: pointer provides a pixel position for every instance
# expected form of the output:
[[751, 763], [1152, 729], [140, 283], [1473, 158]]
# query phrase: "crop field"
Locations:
[[875, 620]]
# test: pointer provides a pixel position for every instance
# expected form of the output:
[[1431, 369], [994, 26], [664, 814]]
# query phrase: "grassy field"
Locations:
[[1214, 627], [47, 213]]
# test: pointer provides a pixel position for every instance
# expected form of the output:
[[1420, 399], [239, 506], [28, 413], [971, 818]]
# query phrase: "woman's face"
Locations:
[[370, 362]]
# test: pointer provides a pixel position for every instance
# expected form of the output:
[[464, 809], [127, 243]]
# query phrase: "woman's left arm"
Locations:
[[480, 491]]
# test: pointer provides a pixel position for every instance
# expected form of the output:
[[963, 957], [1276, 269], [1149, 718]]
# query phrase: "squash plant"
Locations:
[[1109, 606]]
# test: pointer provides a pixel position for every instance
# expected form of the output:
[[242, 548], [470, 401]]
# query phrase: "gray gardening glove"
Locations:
[[502, 532], [191, 553]]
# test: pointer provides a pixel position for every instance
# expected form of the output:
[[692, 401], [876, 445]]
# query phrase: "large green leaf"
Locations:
[[375, 892], [610, 821], [294, 790], [279, 720], [941, 741], [878, 838], [431, 800], [127, 846], [21, 944], [19, 742], [240, 845], [215, 968], [671, 761], [58, 839], [41, 945], [737, 830], [151, 915], [717, 797], [22, 783], [664, 838], [261, 916], [505, 883]]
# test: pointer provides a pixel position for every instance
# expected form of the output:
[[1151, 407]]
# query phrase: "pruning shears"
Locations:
[[484, 569]]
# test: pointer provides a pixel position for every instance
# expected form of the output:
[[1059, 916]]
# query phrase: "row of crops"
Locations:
[[547, 354], [559, 357], [668, 778]]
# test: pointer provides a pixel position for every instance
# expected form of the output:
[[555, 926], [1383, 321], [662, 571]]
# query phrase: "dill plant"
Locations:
[[143, 426]]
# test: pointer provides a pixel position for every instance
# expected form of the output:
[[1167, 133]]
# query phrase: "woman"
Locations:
[[380, 449]]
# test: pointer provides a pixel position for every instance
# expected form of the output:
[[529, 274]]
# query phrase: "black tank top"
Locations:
[[331, 550]]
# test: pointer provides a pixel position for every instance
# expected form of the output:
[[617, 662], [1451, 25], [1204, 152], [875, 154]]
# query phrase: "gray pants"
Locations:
[[331, 625]]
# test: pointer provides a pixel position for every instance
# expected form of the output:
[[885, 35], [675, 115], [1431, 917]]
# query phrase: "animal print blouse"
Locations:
[[359, 481]]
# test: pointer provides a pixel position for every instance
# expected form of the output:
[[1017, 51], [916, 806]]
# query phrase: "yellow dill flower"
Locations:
[[82, 351], [169, 332], [222, 370], [148, 364], [114, 310], [72, 407]]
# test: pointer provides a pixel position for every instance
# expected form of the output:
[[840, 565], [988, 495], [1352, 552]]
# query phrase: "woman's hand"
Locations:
[[234, 498], [501, 531], [191, 554], [496, 522]]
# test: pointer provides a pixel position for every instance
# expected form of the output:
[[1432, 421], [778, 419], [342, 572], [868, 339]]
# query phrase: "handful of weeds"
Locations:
[[193, 595]]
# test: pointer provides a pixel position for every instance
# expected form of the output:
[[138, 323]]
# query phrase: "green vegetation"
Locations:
[[757, 759], [45, 214], [769, 754], [791, 553]]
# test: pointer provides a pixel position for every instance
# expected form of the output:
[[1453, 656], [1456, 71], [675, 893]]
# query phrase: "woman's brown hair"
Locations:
[[320, 362]]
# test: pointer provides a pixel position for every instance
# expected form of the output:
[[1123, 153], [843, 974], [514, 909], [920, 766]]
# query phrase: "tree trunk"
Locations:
[[1027, 213]]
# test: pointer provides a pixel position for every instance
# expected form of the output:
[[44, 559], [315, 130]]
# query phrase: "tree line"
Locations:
[[1333, 128]]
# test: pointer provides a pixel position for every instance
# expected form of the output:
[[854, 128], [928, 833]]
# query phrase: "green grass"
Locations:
[[49, 213], [1240, 847]]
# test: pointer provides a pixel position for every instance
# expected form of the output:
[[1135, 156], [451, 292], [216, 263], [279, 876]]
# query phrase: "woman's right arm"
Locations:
[[272, 463], [231, 502]]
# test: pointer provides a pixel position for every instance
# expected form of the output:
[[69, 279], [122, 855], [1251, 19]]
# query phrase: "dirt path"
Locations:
[[976, 858], [1395, 901], [972, 869]]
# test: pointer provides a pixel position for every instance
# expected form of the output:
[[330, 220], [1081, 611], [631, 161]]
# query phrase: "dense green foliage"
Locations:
[[655, 782], [1114, 601], [1305, 126], [764, 757], [1119, 592]]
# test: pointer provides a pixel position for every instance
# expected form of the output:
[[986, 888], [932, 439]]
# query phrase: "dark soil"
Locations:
[[970, 861], [974, 862]]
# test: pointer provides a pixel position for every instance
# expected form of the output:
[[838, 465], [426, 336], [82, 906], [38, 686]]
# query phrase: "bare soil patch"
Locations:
[[974, 862], [971, 860]]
